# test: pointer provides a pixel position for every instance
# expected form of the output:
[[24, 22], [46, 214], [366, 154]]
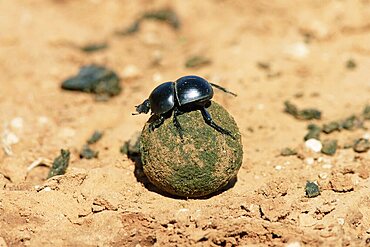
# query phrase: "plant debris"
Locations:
[[366, 113], [88, 153], [132, 147], [264, 66], [329, 147], [304, 114], [331, 127], [95, 137], [361, 145], [60, 164], [268, 69], [94, 79], [164, 15], [89, 48], [351, 64], [288, 152], [196, 62], [312, 189], [351, 122], [313, 132]]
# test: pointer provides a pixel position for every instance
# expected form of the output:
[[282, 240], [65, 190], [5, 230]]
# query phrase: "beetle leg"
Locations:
[[156, 123], [176, 122], [208, 119]]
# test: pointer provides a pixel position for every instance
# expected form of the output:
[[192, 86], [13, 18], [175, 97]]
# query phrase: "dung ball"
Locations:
[[200, 163]]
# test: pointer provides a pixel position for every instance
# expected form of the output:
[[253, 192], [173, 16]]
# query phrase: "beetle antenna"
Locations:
[[223, 89], [142, 108]]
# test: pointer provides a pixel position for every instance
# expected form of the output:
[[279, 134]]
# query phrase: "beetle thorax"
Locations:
[[162, 99]]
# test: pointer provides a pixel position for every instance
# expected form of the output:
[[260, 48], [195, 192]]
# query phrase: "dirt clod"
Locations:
[[341, 183]]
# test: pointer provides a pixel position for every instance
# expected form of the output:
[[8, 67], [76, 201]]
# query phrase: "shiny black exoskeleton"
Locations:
[[186, 93]]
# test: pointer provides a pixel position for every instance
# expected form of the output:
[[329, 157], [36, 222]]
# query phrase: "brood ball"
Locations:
[[197, 164]]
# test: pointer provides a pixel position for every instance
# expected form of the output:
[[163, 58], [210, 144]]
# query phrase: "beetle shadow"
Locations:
[[143, 179]]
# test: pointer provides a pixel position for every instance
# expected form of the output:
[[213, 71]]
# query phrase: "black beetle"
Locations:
[[186, 93]]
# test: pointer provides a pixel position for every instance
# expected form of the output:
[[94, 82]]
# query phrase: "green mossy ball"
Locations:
[[200, 164]]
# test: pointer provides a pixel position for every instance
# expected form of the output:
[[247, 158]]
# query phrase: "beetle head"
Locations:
[[142, 108]]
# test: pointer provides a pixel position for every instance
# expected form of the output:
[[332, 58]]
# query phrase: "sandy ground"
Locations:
[[100, 202]]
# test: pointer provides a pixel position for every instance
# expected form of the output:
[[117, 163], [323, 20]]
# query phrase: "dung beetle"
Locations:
[[185, 94]]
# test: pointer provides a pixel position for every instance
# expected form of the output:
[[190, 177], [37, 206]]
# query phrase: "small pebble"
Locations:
[[309, 161], [47, 189], [182, 215], [278, 167], [313, 145], [157, 77], [260, 106], [293, 244], [327, 166], [298, 50], [341, 221], [67, 132], [361, 145], [17, 123], [157, 57], [10, 138], [366, 136], [131, 72], [324, 160], [42, 120]]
